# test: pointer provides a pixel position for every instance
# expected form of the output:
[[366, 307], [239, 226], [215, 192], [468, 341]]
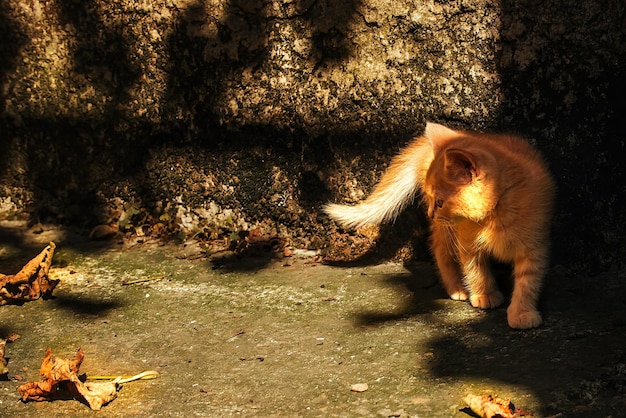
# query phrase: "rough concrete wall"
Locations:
[[217, 118], [562, 67]]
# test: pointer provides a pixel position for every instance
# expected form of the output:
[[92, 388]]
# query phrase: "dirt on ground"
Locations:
[[280, 333]]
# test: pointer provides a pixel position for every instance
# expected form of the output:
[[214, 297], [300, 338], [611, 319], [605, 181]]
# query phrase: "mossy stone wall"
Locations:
[[213, 118]]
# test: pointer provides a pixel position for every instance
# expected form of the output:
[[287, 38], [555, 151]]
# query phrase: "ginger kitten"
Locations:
[[488, 196]]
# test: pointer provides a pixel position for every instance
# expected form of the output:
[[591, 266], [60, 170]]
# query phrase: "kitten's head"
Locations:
[[460, 182]]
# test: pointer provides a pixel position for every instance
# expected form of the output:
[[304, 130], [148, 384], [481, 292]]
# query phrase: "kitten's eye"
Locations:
[[439, 203]]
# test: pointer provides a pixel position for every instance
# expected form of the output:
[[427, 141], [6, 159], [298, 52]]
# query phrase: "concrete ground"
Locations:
[[289, 337]]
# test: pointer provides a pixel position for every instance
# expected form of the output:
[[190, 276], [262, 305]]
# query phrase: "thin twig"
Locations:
[[147, 279], [147, 375]]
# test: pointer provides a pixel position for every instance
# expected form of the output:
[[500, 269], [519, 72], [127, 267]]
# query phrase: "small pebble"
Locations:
[[359, 387]]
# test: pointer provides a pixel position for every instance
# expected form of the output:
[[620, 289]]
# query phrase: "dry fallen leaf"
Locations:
[[32, 282], [60, 381], [98, 394], [3, 361], [487, 406]]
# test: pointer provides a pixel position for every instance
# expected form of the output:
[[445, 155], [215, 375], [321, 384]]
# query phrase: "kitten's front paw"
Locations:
[[486, 301], [523, 319], [459, 295]]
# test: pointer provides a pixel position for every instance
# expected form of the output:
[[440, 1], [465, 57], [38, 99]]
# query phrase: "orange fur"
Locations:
[[488, 196]]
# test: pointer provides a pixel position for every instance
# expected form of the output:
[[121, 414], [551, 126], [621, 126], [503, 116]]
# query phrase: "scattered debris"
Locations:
[[60, 380], [359, 387], [146, 279], [259, 358], [303, 253], [487, 406], [234, 337], [256, 243], [103, 232], [32, 282], [388, 413], [4, 371]]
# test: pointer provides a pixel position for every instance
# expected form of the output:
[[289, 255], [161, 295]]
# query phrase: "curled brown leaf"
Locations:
[[59, 380], [31, 282]]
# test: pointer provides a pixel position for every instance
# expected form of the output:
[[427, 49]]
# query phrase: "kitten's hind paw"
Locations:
[[523, 319], [487, 301]]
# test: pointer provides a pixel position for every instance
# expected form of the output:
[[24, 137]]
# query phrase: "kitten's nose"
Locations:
[[431, 212]]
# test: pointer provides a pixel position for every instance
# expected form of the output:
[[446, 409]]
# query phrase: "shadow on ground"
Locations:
[[574, 363], [292, 337]]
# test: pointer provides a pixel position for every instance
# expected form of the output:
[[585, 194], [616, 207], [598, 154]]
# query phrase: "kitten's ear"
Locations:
[[460, 166], [438, 135]]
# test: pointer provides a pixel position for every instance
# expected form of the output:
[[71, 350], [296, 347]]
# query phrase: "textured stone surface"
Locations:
[[221, 117]]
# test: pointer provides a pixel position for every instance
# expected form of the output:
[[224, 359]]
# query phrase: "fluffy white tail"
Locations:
[[396, 189]]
